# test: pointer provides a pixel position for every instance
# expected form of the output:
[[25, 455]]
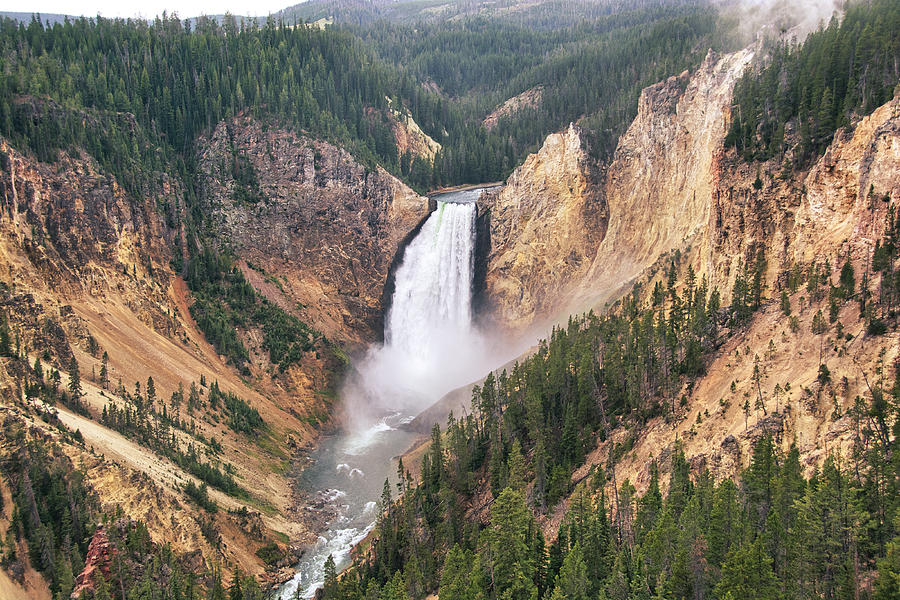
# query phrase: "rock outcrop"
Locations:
[[564, 238], [411, 139], [836, 208], [98, 562], [661, 180], [70, 235], [327, 226], [564, 243], [545, 226], [530, 98]]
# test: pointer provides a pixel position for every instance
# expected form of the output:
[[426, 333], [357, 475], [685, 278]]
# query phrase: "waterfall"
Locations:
[[430, 344], [431, 347], [433, 286]]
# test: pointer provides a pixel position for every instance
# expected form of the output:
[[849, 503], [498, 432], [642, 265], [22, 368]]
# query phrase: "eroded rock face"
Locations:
[[545, 226], [837, 207], [411, 139], [530, 98], [69, 231], [324, 226], [671, 187], [97, 562], [660, 182], [564, 239]]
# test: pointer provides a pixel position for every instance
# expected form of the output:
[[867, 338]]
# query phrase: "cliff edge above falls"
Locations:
[[321, 228], [545, 225], [565, 237]]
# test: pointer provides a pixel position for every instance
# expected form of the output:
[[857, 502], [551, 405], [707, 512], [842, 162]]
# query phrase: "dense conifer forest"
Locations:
[[791, 107], [180, 79], [770, 533], [137, 96]]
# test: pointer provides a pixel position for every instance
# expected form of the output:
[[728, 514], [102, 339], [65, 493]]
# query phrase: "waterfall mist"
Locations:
[[431, 345]]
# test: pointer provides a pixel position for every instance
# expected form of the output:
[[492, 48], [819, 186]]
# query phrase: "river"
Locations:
[[431, 347]]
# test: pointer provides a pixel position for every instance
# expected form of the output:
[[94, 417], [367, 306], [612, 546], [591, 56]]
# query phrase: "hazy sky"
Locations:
[[147, 8]]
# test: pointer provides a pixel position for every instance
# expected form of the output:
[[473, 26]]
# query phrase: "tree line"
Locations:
[[790, 107]]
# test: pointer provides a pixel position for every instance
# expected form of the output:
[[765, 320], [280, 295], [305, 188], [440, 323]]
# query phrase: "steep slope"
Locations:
[[661, 179], [87, 276], [320, 227], [545, 224], [598, 233], [675, 199], [86, 273], [410, 138]]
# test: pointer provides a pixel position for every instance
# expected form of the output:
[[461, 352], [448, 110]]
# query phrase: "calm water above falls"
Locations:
[[431, 347]]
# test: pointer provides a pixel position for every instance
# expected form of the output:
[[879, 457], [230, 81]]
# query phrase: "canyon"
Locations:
[[88, 268]]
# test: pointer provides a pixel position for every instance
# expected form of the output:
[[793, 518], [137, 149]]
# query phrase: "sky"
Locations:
[[147, 8]]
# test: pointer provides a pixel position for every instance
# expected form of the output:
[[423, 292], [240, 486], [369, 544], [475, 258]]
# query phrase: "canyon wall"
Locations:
[[324, 225], [566, 237], [86, 269], [545, 225], [673, 196]]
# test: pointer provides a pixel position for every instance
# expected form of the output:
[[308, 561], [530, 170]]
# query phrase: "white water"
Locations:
[[431, 347]]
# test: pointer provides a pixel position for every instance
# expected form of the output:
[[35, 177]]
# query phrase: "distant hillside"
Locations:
[[539, 13], [46, 18]]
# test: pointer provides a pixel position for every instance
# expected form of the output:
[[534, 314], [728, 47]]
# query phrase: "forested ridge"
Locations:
[[58, 513], [468, 526], [591, 72], [179, 79], [790, 107]]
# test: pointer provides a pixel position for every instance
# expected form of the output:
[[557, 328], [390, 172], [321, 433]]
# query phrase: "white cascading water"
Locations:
[[434, 282], [430, 348], [429, 326], [431, 345]]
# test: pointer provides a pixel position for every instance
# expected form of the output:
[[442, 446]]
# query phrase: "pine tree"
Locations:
[[104, 371], [5, 337], [74, 378], [516, 467], [508, 555], [887, 585], [236, 591], [217, 590], [747, 573], [572, 582], [151, 391], [455, 577], [330, 586]]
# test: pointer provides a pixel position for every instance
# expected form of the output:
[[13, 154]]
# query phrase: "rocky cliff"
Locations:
[[411, 139], [673, 197], [835, 208], [322, 226], [530, 98], [565, 238], [86, 271], [545, 225], [72, 236]]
